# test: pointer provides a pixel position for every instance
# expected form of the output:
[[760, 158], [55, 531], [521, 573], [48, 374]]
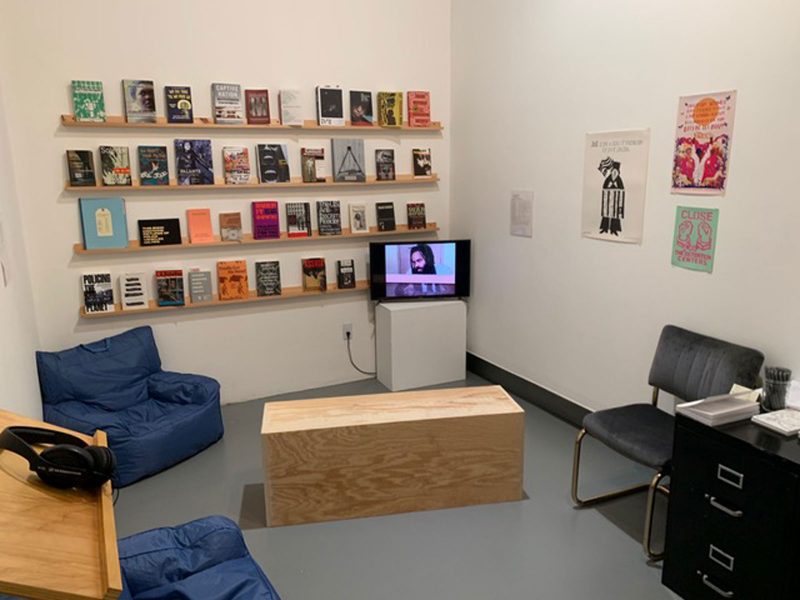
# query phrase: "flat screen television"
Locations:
[[416, 270]]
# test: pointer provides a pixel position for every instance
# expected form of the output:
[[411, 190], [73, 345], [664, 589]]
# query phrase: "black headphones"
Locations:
[[68, 462]]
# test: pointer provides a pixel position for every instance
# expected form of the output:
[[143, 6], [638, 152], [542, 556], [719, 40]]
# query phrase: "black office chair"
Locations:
[[688, 365]]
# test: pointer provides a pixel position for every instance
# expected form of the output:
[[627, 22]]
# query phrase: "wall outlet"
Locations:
[[347, 328]]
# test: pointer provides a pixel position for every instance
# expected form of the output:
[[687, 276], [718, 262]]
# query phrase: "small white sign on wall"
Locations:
[[522, 213]]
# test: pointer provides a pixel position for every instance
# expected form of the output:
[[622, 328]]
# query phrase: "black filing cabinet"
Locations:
[[733, 527]]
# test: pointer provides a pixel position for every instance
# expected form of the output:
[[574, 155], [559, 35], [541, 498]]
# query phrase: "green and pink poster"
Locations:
[[695, 238]]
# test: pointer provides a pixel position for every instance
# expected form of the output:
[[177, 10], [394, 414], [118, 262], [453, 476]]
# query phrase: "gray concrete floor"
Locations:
[[537, 549]]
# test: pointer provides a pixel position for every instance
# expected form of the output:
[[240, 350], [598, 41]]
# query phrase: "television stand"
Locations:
[[421, 343]]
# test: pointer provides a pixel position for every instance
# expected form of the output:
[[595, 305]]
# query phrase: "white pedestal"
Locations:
[[421, 343]]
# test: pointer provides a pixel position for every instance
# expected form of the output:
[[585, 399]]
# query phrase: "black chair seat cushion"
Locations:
[[640, 432]]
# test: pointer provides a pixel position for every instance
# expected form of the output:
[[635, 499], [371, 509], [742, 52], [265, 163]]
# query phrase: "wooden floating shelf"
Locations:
[[133, 245], [290, 293], [296, 183], [119, 122]]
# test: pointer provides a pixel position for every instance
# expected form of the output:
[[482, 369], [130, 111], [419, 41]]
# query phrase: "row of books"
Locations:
[[231, 106], [232, 284], [104, 222], [194, 164]]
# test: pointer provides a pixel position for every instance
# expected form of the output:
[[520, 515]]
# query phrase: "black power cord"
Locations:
[[355, 366]]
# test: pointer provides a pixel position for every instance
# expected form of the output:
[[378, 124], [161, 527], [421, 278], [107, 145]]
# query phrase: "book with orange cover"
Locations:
[[199, 220], [419, 109], [232, 280]]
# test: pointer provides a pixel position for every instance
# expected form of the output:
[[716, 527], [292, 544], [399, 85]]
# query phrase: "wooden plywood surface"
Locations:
[[344, 411], [56, 544], [358, 456]]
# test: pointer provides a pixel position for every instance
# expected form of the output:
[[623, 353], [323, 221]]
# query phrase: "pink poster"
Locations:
[[703, 143]]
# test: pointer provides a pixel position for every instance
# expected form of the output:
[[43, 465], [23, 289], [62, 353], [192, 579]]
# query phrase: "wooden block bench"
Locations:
[[358, 456]]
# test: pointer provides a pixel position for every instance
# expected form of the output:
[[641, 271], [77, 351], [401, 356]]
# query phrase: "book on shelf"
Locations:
[[227, 102], [80, 164], [720, 409], [232, 280], [361, 114], [345, 274], [199, 224], [329, 217], [785, 421], [153, 165], [140, 100], [384, 212], [199, 286], [230, 226], [384, 164], [268, 278], [98, 292], [298, 219], [347, 157], [330, 106], [291, 107], [419, 109], [88, 102], [273, 163], [266, 221], [358, 218], [390, 109], [312, 164], [178, 100], [193, 162], [133, 289], [415, 212], [160, 232], [236, 162], [115, 165], [422, 162], [103, 223], [314, 274], [257, 107], [169, 287]]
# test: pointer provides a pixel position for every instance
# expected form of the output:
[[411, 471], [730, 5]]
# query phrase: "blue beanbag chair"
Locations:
[[153, 418], [205, 559]]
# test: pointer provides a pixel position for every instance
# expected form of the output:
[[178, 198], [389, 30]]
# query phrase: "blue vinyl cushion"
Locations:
[[205, 559], [153, 418]]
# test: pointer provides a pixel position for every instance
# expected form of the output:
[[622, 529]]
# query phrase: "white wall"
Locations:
[[582, 317], [19, 390], [263, 348]]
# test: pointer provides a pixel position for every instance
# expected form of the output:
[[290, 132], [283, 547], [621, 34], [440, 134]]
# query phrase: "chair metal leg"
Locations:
[[653, 487], [648, 517], [579, 502]]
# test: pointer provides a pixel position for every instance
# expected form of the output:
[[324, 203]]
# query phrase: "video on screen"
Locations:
[[422, 269]]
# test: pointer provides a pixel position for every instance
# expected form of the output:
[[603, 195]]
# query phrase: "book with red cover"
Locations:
[[199, 220], [266, 222], [419, 109], [232, 280], [314, 275], [257, 106]]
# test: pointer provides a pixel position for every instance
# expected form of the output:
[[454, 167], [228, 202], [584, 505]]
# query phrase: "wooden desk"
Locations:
[[54, 544], [357, 456]]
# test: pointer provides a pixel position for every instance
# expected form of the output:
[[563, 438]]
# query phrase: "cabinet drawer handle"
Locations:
[[729, 476], [736, 514], [720, 591]]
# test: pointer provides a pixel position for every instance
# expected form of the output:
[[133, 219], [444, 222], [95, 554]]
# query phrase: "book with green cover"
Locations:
[[88, 103]]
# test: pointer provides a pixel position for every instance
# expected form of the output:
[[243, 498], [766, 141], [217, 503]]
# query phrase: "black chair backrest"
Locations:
[[692, 366]]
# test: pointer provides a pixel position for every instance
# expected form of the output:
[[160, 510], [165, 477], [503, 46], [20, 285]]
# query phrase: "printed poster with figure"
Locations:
[[614, 184], [703, 143], [695, 238]]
